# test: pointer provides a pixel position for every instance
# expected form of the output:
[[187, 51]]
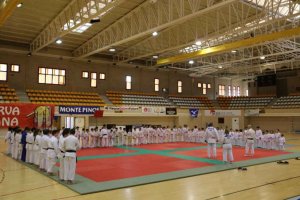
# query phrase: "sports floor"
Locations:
[[138, 171]]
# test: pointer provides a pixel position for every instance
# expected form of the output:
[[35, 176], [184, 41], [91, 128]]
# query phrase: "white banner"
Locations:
[[121, 108], [222, 113], [154, 110], [252, 112]]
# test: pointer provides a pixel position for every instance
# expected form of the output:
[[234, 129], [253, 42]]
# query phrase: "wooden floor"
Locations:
[[267, 181]]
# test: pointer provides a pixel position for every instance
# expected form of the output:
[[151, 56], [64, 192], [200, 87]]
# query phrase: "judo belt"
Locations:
[[62, 151], [71, 151], [250, 139], [50, 148], [29, 143]]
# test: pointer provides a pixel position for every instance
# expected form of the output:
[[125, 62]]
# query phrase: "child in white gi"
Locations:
[[281, 142], [52, 151], [227, 148]]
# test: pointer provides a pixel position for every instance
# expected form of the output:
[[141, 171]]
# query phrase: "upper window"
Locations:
[[204, 88], [199, 85], [93, 79], [221, 90], [128, 82], [156, 85], [101, 76], [247, 92], [85, 75], [52, 76], [229, 90], [208, 86], [15, 68], [179, 86], [238, 91], [233, 90], [3, 72]]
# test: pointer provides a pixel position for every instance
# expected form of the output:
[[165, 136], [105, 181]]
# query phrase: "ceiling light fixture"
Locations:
[[233, 51], [112, 49], [262, 57], [154, 33], [191, 62], [198, 42], [155, 56], [19, 5], [58, 41], [220, 67]]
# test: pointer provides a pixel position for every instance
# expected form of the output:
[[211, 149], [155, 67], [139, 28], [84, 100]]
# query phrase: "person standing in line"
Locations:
[[52, 151], [8, 139], [61, 154], [258, 135], [36, 146], [24, 158], [281, 142], [17, 144], [250, 137], [29, 146], [70, 147], [211, 137], [104, 134], [227, 148], [44, 148]]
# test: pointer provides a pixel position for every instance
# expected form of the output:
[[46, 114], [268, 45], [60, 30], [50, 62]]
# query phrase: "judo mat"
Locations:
[[100, 169]]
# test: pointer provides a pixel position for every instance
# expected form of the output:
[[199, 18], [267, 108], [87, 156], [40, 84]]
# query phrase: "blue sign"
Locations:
[[194, 112], [78, 110]]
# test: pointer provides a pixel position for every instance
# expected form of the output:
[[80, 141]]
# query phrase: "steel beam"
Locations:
[[74, 15], [145, 19], [6, 9]]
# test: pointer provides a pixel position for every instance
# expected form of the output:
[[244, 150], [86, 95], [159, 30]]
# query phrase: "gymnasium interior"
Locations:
[[162, 63]]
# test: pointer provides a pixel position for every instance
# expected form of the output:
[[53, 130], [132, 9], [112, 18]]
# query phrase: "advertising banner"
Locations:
[[78, 110], [171, 111], [154, 110], [26, 115], [194, 112], [222, 113]]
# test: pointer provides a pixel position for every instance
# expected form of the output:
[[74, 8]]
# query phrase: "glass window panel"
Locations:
[[62, 72], [179, 89], [42, 70], [48, 79], [156, 88], [85, 74], [93, 83], [3, 76], [179, 83], [208, 86], [199, 85], [128, 86], [3, 67], [93, 75], [61, 80], [42, 78], [56, 72], [15, 68], [128, 78], [156, 81], [102, 76], [55, 79], [204, 90], [204, 85], [49, 71]]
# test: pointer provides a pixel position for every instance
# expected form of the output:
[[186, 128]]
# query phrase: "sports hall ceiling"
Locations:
[[235, 38]]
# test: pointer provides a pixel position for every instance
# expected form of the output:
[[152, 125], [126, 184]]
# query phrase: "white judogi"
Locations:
[[52, 153], [70, 146], [250, 137], [17, 146], [211, 136], [8, 139], [104, 133], [29, 146], [227, 149], [37, 149], [281, 143], [61, 155], [43, 154], [277, 137], [258, 135]]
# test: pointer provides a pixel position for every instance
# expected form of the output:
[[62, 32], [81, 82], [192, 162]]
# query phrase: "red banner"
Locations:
[[26, 114], [98, 114]]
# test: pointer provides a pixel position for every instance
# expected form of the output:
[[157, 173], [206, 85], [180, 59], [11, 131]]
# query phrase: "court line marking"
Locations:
[[27, 190], [254, 187]]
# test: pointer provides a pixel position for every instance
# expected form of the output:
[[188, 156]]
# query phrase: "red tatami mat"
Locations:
[[101, 151], [168, 146], [238, 153], [132, 166]]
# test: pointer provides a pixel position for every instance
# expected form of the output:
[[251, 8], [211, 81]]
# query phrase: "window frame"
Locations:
[[128, 83], [6, 78], [52, 75], [156, 85], [93, 79], [88, 74], [11, 66], [179, 86]]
